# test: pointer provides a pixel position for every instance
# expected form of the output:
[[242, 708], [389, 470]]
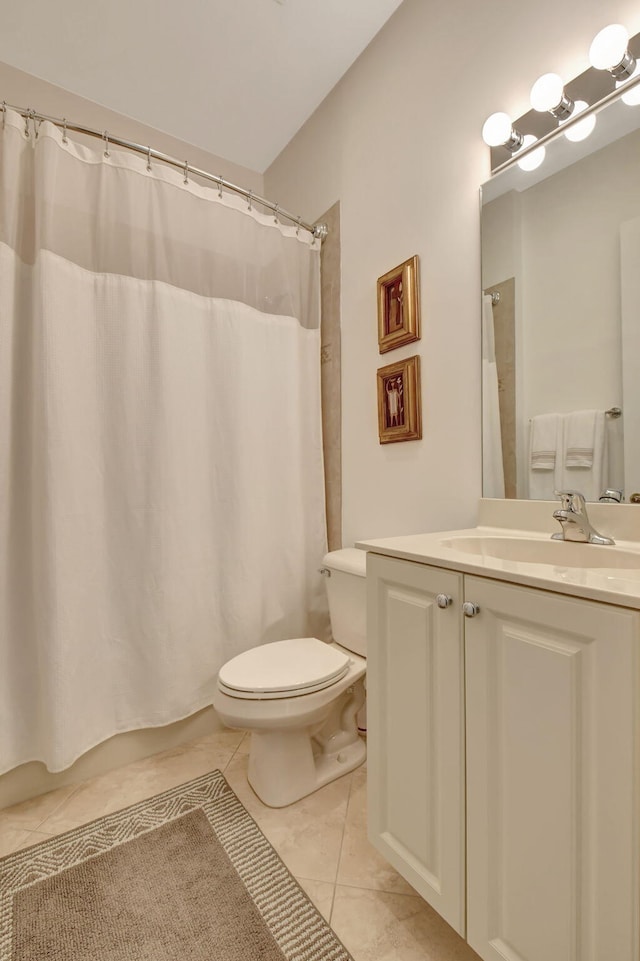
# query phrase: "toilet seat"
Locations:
[[288, 668]]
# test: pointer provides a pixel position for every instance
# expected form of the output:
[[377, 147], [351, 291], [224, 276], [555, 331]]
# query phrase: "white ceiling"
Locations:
[[236, 77]]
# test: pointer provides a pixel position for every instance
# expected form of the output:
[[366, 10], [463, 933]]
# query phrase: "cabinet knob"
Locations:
[[443, 600], [469, 609]]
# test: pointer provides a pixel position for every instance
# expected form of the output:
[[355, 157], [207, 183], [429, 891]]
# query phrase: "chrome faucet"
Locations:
[[576, 526]]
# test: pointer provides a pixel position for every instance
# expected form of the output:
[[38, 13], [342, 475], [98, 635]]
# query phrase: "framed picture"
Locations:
[[398, 308], [399, 415]]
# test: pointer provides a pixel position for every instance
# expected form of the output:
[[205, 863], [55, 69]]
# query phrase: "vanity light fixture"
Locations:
[[554, 111], [582, 129], [547, 95], [610, 51], [498, 131], [533, 159]]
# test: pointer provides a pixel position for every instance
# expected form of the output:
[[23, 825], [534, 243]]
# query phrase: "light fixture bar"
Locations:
[[574, 119]]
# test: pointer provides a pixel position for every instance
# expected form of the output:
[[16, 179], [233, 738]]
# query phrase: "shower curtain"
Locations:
[[492, 463], [161, 485]]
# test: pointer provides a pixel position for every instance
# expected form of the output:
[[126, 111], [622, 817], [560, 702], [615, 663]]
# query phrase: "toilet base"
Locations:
[[277, 787], [286, 765]]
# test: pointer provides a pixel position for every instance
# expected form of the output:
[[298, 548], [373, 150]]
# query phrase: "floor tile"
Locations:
[[226, 740], [140, 780], [11, 838], [29, 814], [245, 744], [320, 838], [321, 893], [360, 863], [308, 834], [377, 926], [30, 838]]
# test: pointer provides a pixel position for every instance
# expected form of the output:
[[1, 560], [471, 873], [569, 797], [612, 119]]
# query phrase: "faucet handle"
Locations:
[[572, 500], [612, 495]]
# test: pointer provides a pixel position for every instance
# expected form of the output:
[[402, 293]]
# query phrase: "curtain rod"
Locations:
[[319, 231]]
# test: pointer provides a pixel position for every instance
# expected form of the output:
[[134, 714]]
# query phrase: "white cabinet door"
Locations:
[[415, 728], [552, 776]]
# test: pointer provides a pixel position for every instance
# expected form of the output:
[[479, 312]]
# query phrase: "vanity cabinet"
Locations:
[[415, 728], [503, 760]]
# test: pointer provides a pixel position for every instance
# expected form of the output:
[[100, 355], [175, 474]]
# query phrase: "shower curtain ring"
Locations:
[[4, 113], [149, 159], [250, 199], [275, 213], [299, 222], [186, 172], [106, 143], [26, 122], [64, 130], [220, 181]]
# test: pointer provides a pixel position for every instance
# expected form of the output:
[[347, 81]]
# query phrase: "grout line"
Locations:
[[300, 878], [235, 754], [58, 807], [33, 837], [363, 887], [333, 901], [35, 826], [344, 828]]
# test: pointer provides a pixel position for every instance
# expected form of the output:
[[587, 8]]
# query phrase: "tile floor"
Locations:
[[322, 839]]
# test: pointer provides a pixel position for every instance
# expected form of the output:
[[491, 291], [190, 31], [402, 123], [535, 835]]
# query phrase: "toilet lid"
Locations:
[[282, 668]]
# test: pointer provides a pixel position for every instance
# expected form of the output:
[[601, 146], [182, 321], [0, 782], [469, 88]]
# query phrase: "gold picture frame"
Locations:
[[398, 306], [399, 413]]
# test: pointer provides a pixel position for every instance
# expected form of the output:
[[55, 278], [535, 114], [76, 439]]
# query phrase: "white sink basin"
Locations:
[[530, 550]]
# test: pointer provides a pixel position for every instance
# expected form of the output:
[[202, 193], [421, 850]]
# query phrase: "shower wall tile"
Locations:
[[331, 375], [504, 313]]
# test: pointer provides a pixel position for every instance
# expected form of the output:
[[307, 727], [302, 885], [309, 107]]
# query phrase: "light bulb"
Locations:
[[547, 92], [631, 97], [497, 129], [609, 51], [535, 158], [580, 131]]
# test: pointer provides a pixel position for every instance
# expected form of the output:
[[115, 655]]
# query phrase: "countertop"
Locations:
[[612, 586]]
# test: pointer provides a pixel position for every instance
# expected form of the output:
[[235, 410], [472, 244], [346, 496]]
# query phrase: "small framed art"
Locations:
[[398, 306], [399, 415]]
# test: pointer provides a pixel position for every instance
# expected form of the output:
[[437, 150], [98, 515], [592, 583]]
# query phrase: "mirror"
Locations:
[[561, 342]]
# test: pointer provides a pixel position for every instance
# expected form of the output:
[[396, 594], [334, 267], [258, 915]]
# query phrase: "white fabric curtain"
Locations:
[[161, 483], [492, 463]]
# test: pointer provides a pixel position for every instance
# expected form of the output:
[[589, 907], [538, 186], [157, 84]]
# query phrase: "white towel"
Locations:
[[545, 445], [585, 455], [581, 428], [544, 441]]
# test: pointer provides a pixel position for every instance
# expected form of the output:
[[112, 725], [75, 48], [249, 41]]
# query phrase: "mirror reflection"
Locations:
[[561, 331]]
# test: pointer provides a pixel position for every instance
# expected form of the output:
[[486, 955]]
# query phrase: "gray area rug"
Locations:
[[184, 876]]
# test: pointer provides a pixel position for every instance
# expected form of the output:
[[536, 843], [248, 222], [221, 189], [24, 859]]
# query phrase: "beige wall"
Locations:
[[23, 90], [398, 143]]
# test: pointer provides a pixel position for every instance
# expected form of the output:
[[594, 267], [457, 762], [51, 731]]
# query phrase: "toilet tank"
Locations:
[[347, 593]]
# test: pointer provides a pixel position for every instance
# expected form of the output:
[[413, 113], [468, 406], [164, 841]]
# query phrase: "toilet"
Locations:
[[300, 697]]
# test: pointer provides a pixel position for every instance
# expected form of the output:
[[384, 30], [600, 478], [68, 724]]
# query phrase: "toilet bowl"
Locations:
[[299, 697]]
